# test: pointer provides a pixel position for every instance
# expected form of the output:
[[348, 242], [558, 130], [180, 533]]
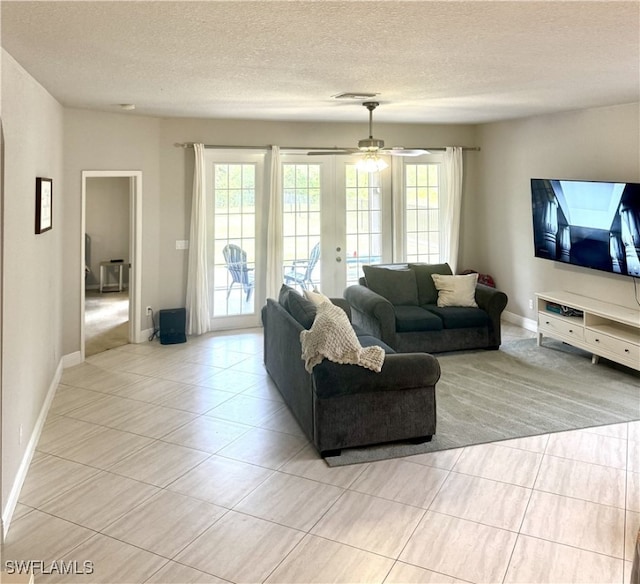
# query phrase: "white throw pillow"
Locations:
[[316, 297], [456, 290]]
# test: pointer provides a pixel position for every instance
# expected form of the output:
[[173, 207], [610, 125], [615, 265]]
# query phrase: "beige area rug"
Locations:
[[520, 390], [106, 321]]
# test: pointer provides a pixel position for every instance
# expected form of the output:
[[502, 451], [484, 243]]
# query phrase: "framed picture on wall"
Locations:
[[44, 204]]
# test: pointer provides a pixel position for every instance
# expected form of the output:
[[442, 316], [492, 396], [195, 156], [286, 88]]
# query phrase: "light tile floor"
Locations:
[[180, 463]]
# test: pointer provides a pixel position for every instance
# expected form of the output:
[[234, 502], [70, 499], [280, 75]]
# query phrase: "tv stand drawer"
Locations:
[[622, 348], [560, 325]]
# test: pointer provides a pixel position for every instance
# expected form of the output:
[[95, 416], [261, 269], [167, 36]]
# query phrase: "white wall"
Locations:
[[103, 141], [32, 264], [107, 223], [594, 144]]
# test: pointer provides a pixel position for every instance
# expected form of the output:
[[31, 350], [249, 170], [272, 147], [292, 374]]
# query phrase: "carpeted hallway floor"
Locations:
[[106, 320]]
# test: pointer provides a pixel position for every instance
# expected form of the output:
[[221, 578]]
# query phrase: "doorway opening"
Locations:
[[110, 288]]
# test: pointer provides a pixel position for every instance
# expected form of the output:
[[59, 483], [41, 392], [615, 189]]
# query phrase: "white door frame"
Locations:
[[135, 248]]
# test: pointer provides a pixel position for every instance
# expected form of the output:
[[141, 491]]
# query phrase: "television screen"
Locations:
[[587, 223]]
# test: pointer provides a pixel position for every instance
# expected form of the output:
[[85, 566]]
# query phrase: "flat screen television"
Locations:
[[592, 224]]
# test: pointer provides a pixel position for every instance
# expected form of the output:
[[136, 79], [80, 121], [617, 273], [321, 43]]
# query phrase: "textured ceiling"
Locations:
[[437, 62]]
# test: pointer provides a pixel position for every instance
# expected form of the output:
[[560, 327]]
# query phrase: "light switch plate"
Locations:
[[182, 244]]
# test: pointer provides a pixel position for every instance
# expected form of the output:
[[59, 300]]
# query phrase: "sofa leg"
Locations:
[[326, 453], [421, 439]]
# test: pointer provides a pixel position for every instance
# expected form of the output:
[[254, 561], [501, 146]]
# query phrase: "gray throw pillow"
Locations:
[[397, 286], [427, 292], [303, 310], [283, 296]]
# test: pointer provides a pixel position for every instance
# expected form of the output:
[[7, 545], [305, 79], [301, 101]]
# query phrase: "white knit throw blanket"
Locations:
[[332, 337]]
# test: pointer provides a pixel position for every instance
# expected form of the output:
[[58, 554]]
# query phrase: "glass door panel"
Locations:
[[301, 205], [364, 221], [234, 261], [422, 211]]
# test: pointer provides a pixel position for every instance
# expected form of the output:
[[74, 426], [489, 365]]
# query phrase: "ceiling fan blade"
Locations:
[[396, 151], [330, 152]]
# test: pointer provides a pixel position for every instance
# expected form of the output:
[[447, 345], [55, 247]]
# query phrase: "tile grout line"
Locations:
[[526, 509]]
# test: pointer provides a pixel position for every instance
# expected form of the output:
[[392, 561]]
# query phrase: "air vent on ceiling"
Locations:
[[354, 95]]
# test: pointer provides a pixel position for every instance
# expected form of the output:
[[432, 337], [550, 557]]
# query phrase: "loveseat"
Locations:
[[399, 304], [339, 405]]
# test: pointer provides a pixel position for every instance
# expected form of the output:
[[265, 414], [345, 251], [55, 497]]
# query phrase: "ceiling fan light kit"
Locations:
[[371, 162]]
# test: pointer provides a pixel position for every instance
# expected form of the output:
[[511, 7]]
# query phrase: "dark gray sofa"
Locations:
[[403, 311], [340, 406]]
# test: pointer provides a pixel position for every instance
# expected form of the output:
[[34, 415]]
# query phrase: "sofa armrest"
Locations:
[[399, 371], [493, 302], [372, 312]]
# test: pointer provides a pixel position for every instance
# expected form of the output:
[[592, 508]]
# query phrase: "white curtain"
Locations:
[[274, 226], [453, 205], [198, 314]]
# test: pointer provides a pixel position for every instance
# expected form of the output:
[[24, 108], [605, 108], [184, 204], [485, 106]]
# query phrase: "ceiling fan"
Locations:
[[372, 147]]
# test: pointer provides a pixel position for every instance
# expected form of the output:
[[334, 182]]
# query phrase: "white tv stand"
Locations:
[[604, 329]]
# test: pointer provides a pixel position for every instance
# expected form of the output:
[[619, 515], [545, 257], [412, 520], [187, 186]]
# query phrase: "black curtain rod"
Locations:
[[222, 147]]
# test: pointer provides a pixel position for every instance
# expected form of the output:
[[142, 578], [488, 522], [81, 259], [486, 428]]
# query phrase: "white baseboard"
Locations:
[[21, 475], [526, 323], [144, 335], [71, 360]]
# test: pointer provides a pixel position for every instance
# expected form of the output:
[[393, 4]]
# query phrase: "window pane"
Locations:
[[314, 200], [235, 176], [412, 221], [235, 226], [302, 195], [352, 222], [220, 226], [221, 174], [288, 177], [351, 199], [314, 224], [302, 222]]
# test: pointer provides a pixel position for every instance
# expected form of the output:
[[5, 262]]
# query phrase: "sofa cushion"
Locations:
[[283, 295], [456, 290], [457, 317], [371, 341], [360, 332], [397, 286], [303, 310], [414, 318], [427, 291]]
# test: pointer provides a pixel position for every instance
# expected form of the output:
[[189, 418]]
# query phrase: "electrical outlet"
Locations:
[[530, 303], [149, 310]]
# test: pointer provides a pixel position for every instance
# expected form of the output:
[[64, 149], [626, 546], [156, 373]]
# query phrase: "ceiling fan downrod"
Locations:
[[371, 144]]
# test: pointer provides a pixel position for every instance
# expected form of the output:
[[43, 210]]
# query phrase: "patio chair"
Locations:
[[236, 260], [300, 271]]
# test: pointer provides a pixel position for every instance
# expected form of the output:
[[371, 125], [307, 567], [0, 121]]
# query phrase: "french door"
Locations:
[[336, 219], [330, 206]]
